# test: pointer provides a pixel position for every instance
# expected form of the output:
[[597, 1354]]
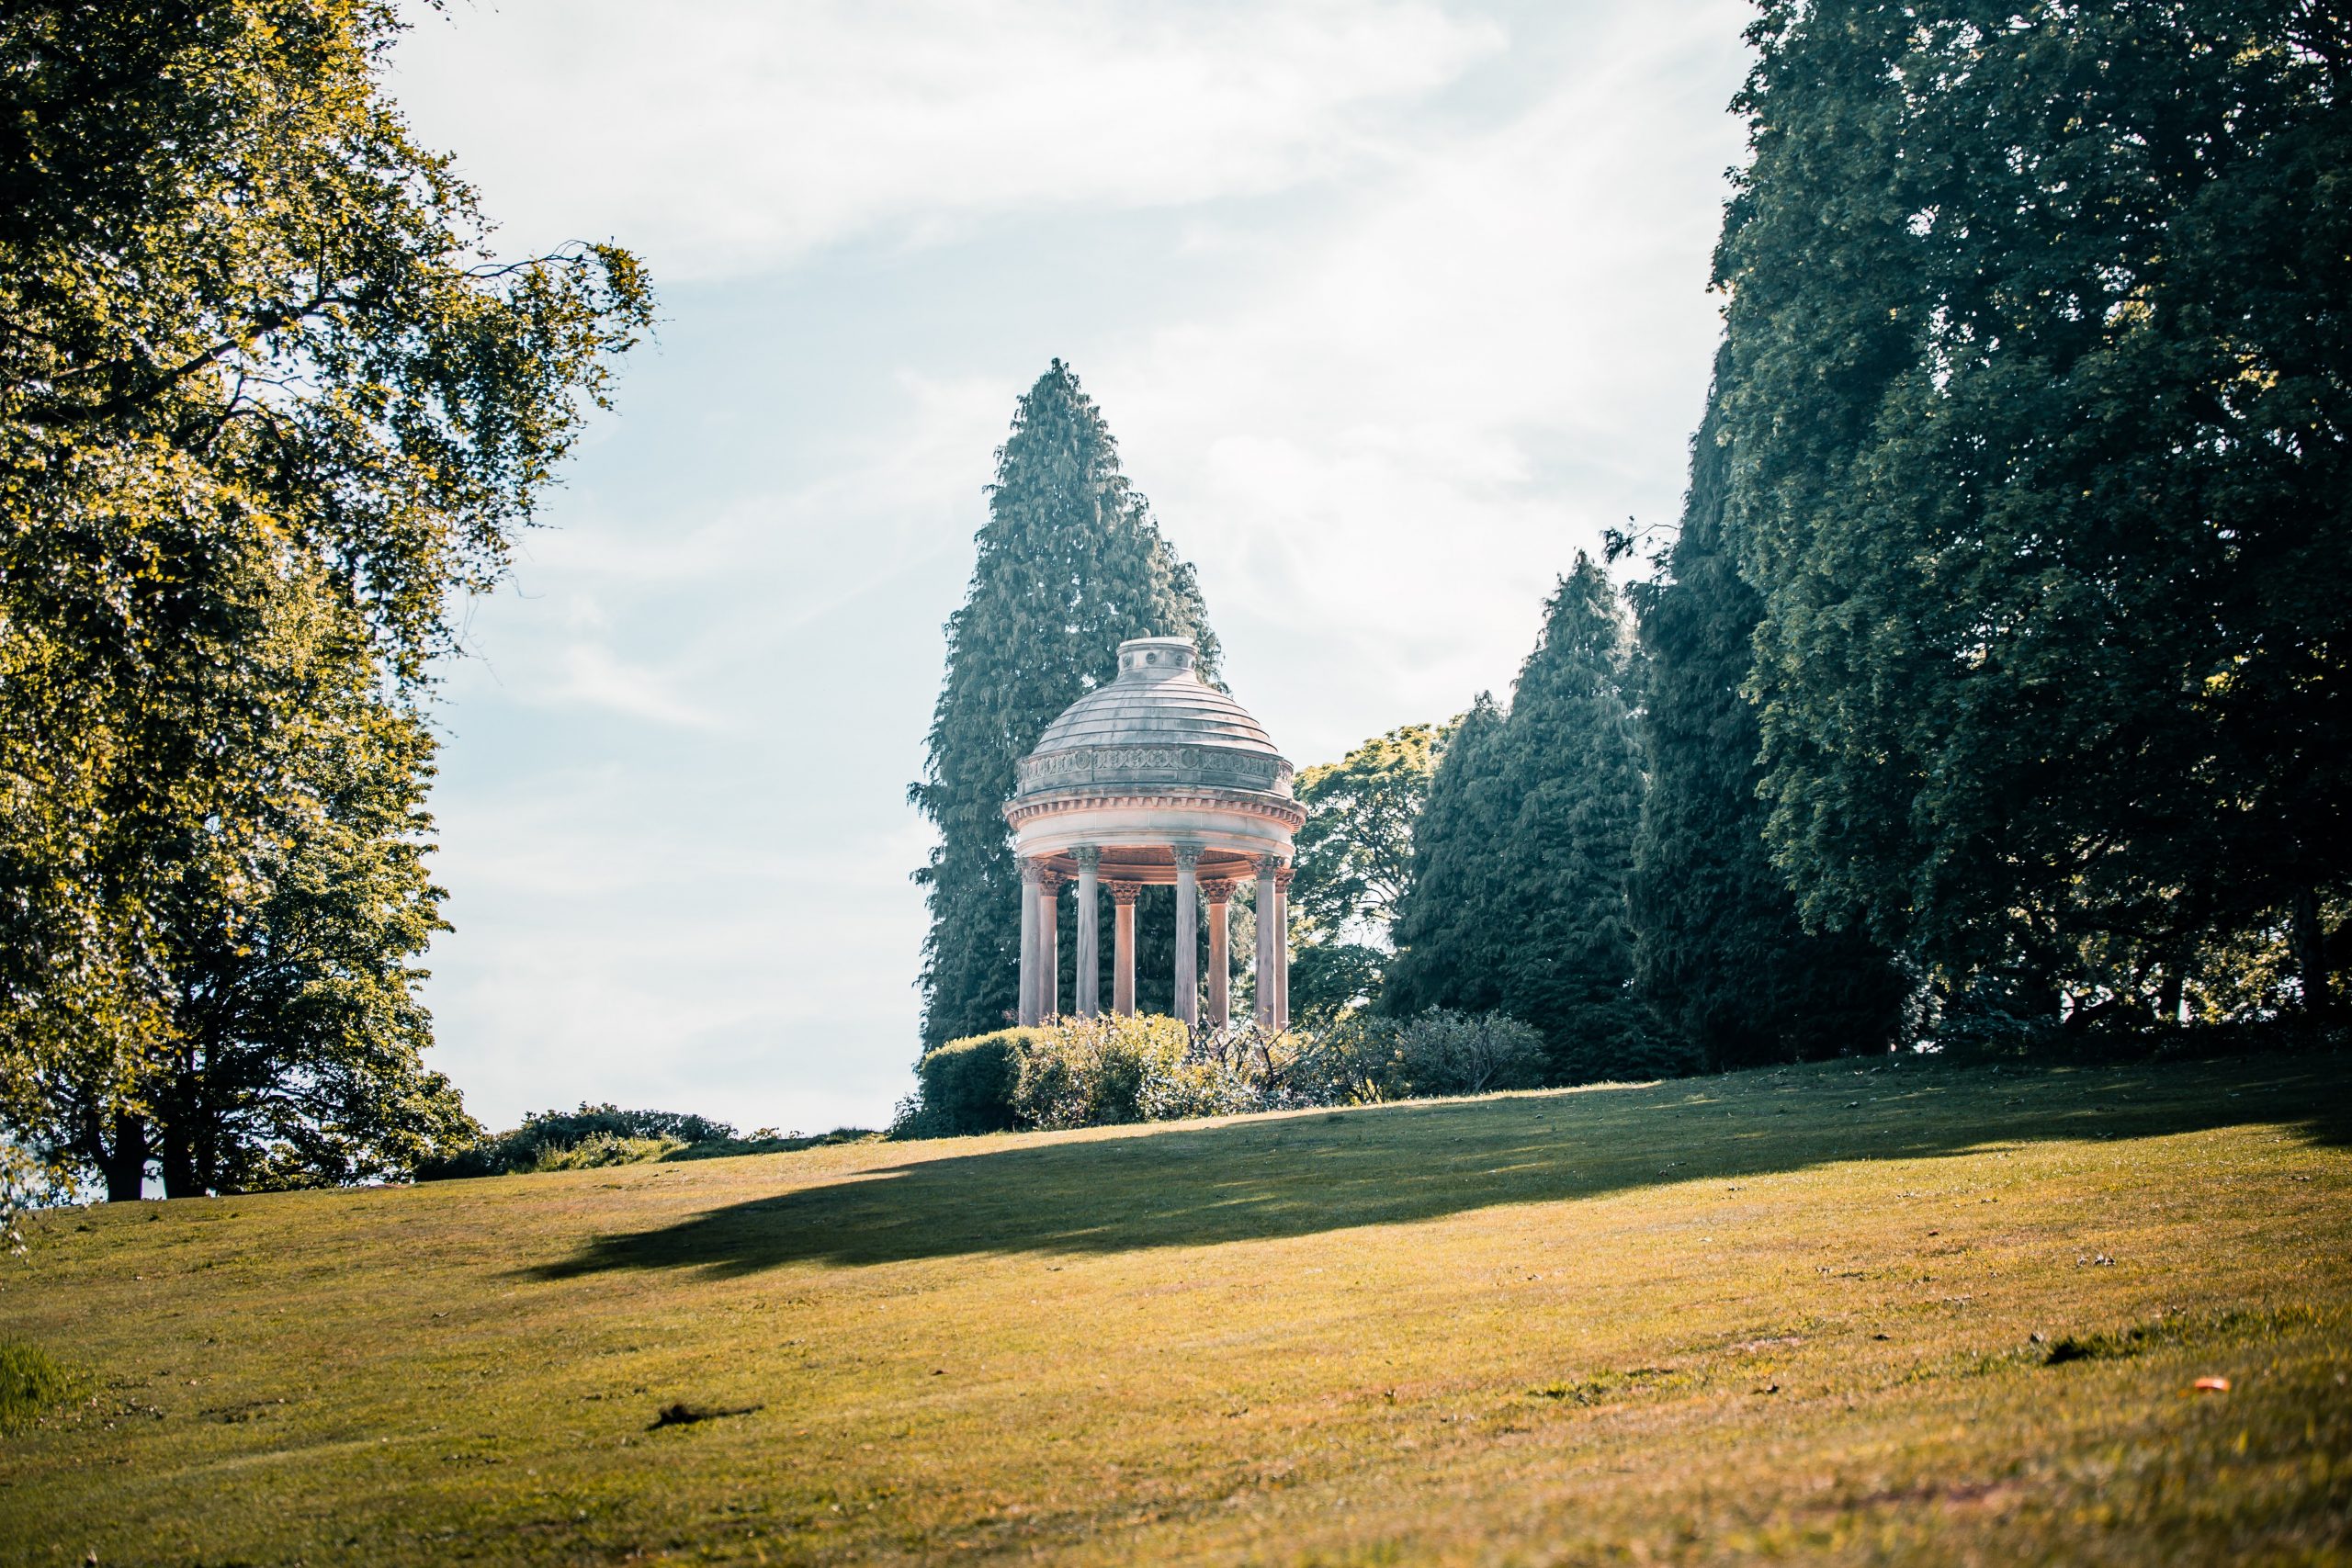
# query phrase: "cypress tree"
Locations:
[[1441, 921], [1524, 853], [1069, 564], [1572, 770], [1719, 957]]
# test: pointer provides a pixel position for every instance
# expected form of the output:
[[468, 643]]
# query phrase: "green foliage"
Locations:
[[1519, 905], [33, 1383], [966, 1086], [1095, 1072], [1111, 1070], [568, 1140], [266, 405], [2037, 394], [601, 1149], [1329, 979], [1445, 928], [1069, 564], [1352, 866], [1434, 1053], [1719, 957]]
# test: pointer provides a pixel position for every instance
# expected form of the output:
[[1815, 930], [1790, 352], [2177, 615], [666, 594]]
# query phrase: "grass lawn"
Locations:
[[1849, 1314]]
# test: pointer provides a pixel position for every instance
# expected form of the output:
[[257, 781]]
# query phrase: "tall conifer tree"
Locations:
[[1069, 564], [1719, 957], [1573, 767], [1442, 923], [1519, 898]]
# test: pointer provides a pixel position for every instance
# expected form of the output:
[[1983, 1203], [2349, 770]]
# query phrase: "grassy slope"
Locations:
[[1786, 1312]]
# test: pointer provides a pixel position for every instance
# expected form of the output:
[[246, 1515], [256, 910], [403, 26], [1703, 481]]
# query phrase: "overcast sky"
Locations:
[[1393, 307]]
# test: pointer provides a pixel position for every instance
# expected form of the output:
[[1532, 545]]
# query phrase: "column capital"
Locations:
[[1218, 890], [1050, 883], [1269, 865], [1030, 869], [1087, 856], [1187, 855], [1124, 893], [1282, 877]]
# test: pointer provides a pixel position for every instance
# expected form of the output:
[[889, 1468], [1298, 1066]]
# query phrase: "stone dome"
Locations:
[[1156, 724], [1155, 779]]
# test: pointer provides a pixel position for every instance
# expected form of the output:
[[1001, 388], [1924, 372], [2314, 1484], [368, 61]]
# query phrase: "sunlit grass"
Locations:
[[1810, 1314]]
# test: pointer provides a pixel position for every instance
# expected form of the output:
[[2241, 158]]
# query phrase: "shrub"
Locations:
[[542, 1142], [1095, 1072], [1441, 1052], [603, 1149], [965, 1086]]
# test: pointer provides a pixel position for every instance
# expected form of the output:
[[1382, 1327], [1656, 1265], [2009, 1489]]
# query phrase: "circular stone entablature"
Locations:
[[1154, 759]]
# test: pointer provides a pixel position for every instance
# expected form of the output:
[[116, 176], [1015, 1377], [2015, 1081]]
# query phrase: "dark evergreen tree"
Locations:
[[1443, 957], [1069, 564], [1719, 957], [1572, 772], [1523, 852], [2037, 397]]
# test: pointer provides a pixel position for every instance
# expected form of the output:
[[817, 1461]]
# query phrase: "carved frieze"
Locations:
[[1212, 766]]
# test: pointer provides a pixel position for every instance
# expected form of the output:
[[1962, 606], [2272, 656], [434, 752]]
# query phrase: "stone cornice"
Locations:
[[1272, 809]]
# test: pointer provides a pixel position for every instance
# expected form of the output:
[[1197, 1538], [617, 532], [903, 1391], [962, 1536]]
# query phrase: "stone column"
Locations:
[[1219, 894], [1026, 1010], [1269, 921], [1089, 942], [1282, 948], [1122, 947], [1188, 932], [1049, 944]]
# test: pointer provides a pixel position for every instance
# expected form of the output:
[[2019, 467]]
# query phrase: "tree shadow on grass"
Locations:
[[1195, 1184]]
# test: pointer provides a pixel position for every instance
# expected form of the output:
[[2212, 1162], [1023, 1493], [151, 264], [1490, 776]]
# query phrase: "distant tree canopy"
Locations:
[[1069, 564], [1719, 957], [2039, 410], [266, 402], [1519, 899], [1354, 866]]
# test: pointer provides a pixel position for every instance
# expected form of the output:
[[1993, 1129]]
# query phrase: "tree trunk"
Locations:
[[177, 1158], [125, 1161], [2168, 997], [2311, 953]]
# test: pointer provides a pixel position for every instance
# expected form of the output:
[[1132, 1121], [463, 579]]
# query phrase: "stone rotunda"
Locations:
[[1158, 778]]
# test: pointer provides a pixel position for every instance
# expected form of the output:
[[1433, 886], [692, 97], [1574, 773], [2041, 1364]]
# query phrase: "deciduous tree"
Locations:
[[1354, 866], [254, 347], [2039, 392]]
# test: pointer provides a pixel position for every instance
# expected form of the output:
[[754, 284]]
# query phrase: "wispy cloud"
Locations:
[[738, 134]]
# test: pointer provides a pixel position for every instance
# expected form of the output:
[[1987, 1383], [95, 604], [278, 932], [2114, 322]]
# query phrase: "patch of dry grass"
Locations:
[[1811, 1314]]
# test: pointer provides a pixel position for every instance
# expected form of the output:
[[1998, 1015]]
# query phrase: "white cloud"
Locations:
[[1384, 452], [726, 136]]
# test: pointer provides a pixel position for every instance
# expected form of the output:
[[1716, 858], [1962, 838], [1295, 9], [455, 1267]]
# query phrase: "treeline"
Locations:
[[1992, 687], [265, 412]]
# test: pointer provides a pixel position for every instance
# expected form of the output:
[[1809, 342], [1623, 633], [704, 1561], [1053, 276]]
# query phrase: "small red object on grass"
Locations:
[[2212, 1385]]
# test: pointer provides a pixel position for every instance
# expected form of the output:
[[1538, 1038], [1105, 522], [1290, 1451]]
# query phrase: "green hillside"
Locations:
[[1853, 1313]]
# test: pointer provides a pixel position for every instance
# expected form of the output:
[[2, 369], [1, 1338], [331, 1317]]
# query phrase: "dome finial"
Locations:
[[1141, 656]]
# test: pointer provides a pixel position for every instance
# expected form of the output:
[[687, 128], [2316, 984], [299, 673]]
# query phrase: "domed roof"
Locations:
[[1157, 722]]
